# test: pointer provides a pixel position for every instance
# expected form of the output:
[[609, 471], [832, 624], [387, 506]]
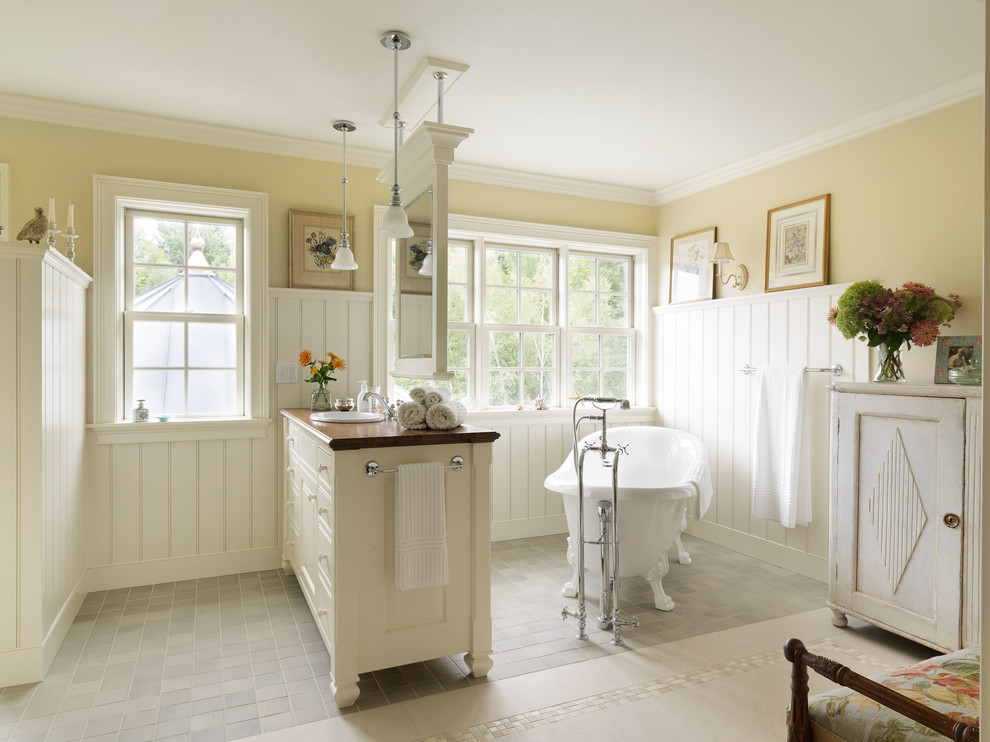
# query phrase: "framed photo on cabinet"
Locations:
[[313, 242], [797, 245], [959, 360], [692, 275]]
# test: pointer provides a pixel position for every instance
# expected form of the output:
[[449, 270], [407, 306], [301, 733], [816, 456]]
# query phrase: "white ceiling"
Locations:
[[639, 93]]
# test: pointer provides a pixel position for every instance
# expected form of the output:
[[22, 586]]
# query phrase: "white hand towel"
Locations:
[[420, 527], [446, 415], [781, 447], [412, 416], [700, 476], [418, 393], [436, 395]]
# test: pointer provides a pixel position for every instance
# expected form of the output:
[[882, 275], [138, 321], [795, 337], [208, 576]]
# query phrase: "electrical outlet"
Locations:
[[285, 373]]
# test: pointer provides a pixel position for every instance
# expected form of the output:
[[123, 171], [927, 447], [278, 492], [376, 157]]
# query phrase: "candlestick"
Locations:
[[71, 221], [52, 232], [70, 235]]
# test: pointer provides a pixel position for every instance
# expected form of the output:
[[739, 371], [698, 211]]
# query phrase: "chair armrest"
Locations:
[[799, 722]]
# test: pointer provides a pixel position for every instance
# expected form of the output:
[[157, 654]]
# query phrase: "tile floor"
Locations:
[[230, 657]]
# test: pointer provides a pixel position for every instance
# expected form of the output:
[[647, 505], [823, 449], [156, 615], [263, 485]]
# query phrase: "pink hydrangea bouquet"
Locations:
[[893, 319]]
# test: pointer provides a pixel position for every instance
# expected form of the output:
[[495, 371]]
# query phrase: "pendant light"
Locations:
[[427, 267], [396, 223], [344, 259]]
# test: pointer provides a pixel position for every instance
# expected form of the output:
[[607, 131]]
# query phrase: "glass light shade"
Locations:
[[344, 260], [395, 223], [722, 253], [427, 268]]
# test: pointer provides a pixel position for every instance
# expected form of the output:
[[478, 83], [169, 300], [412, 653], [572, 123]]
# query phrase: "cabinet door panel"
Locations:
[[900, 468]]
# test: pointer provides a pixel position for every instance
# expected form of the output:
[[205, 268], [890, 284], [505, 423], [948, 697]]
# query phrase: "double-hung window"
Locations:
[[180, 309], [532, 316], [184, 314]]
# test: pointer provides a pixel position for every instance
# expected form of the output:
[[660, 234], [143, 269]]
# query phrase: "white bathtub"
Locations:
[[663, 471]]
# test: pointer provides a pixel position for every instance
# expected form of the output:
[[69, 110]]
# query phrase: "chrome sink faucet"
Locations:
[[390, 411]]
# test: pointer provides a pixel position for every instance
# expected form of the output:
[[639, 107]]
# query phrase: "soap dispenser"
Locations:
[[362, 398]]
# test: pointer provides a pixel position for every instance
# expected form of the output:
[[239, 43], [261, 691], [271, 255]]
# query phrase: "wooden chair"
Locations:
[[799, 726]]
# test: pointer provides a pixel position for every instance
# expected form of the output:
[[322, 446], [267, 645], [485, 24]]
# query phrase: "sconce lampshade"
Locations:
[[344, 259], [722, 253]]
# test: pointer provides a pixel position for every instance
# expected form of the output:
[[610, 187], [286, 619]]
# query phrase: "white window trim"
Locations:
[[641, 248], [112, 197]]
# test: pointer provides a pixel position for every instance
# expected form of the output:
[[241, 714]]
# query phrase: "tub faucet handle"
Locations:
[[622, 448]]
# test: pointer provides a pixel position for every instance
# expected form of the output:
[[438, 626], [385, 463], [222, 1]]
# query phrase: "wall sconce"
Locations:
[[739, 277]]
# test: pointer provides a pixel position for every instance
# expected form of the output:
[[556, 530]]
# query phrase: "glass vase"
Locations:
[[891, 370], [320, 401]]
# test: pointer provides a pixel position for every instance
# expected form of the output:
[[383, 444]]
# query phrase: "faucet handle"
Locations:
[[622, 448]]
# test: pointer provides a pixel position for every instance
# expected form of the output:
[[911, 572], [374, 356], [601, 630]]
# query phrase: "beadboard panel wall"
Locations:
[[699, 388], [166, 510], [42, 429], [532, 445]]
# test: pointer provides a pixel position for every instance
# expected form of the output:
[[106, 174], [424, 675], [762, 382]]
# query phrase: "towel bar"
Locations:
[[373, 468], [835, 370]]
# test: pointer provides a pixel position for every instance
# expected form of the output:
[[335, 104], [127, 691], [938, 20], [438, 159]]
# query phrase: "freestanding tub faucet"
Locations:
[[609, 614]]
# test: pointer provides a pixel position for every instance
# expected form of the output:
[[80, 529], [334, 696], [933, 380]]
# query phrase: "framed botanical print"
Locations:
[[313, 242], [692, 276], [797, 245]]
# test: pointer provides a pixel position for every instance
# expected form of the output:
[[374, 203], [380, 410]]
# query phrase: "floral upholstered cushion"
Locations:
[[949, 684]]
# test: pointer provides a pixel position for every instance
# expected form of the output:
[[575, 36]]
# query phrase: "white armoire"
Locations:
[[42, 428], [904, 537]]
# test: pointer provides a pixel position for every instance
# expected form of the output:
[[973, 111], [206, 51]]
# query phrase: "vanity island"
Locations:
[[338, 538]]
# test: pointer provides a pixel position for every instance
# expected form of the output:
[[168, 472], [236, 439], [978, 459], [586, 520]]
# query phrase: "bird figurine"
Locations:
[[36, 228]]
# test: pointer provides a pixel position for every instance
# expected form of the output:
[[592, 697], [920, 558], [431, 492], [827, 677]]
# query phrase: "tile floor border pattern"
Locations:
[[648, 689]]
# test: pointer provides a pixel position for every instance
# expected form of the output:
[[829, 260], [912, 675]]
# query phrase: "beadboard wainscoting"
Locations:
[[165, 510], [699, 388], [42, 427], [532, 445]]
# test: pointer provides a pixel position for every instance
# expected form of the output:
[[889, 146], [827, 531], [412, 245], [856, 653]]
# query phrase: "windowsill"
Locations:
[[530, 415], [180, 430]]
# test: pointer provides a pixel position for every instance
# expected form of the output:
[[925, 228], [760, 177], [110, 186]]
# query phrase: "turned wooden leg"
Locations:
[[798, 722], [344, 694], [839, 618], [479, 665]]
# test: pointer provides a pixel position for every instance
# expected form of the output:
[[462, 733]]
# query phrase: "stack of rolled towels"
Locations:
[[431, 408]]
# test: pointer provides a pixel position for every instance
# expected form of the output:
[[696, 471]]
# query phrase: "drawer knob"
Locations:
[[322, 612], [311, 498], [323, 555], [323, 467], [951, 520], [321, 511]]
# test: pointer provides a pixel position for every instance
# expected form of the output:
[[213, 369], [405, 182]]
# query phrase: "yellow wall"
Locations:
[[54, 160], [907, 205]]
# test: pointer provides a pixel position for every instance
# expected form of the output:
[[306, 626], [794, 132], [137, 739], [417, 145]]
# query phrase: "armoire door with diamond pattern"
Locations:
[[898, 472]]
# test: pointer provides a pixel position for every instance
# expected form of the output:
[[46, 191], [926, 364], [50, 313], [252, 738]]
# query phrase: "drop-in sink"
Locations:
[[346, 417]]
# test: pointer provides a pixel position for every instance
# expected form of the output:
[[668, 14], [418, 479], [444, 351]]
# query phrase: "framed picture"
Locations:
[[797, 245], [313, 240], [692, 274], [958, 352], [8, 234]]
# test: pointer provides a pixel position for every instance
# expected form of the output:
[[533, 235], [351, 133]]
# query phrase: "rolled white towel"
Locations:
[[412, 416], [446, 415], [418, 393], [436, 395]]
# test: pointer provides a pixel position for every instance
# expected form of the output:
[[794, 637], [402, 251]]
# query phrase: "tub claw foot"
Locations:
[[570, 587], [682, 555], [654, 576]]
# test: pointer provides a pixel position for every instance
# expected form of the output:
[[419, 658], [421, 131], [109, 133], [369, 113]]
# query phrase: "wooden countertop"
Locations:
[[349, 436]]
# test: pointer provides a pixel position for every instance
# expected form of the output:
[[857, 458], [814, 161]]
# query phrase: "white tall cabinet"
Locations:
[[42, 426], [904, 547]]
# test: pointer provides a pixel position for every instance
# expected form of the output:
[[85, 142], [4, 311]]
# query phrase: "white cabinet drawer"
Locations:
[[324, 506], [324, 466], [323, 553]]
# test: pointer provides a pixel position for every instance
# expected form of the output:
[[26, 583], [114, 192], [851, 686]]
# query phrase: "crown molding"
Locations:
[[181, 130], [955, 90], [551, 184]]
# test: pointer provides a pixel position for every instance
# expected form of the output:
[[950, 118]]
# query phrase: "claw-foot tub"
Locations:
[[663, 470]]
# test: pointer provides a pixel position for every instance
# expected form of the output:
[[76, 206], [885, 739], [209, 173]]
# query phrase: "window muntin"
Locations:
[[183, 315]]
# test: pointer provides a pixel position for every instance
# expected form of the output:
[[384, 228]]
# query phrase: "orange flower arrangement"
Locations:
[[322, 371]]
